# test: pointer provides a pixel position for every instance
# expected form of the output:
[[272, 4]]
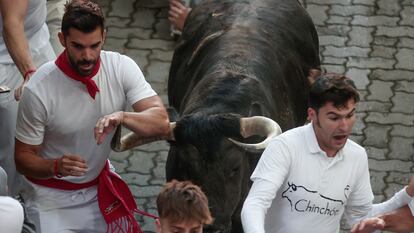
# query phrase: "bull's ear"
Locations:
[[172, 114], [313, 74]]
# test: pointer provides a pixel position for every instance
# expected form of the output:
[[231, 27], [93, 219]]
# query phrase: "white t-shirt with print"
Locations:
[[311, 189], [58, 113]]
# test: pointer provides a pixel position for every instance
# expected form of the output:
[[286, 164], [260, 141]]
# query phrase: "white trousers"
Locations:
[[58, 211]]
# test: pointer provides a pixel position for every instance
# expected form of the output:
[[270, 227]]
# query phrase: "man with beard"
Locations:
[[71, 186], [307, 172]]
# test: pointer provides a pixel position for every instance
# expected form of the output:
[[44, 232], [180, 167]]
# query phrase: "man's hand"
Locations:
[[19, 91], [72, 165], [410, 188], [106, 124], [177, 14], [368, 225], [400, 220]]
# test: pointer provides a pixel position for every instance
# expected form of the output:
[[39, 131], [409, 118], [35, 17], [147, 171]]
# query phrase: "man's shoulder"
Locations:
[[292, 137], [116, 61], [42, 75], [354, 145], [112, 56], [294, 134], [351, 147]]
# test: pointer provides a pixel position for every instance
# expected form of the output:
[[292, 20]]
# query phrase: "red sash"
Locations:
[[115, 200]]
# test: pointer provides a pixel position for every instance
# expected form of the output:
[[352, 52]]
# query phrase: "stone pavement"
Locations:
[[371, 41]]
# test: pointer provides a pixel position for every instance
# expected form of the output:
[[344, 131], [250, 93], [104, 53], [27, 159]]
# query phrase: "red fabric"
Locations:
[[63, 184], [64, 65], [115, 200], [116, 203]]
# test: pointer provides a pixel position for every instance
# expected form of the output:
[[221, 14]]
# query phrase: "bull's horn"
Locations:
[[257, 125], [132, 140]]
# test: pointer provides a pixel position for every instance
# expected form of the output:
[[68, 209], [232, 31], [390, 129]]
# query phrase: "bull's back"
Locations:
[[272, 41]]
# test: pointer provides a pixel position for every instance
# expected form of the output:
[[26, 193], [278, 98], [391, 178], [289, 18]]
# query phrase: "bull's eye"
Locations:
[[234, 171]]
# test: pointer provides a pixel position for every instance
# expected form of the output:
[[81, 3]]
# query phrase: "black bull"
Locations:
[[240, 57], [236, 58]]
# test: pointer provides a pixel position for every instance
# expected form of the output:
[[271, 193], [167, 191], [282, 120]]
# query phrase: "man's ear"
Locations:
[[103, 36], [62, 39], [158, 225], [311, 114], [313, 75]]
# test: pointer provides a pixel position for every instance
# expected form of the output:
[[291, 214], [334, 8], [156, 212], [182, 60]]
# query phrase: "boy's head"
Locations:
[[183, 208]]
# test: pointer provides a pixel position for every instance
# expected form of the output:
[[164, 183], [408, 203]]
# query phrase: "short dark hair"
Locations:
[[182, 201], [331, 87], [83, 15]]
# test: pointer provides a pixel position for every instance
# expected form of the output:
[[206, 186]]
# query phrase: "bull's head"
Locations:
[[249, 126], [200, 152]]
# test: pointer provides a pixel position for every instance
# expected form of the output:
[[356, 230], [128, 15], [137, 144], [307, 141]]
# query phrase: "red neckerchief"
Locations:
[[115, 200], [64, 65]]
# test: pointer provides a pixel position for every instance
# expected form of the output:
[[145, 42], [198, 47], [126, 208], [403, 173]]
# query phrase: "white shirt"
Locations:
[[58, 113], [298, 188]]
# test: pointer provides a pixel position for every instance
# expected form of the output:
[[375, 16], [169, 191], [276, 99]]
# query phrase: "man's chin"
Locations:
[[85, 72], [339, 143]]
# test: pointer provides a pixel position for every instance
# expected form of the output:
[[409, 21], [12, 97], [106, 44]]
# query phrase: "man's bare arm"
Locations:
[[400, 220], [13, 15], [30, 163], [149, 119]]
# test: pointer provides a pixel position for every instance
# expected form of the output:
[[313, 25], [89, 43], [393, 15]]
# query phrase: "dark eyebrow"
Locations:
[[353, 111], [75, 43], [78, 44], [96, 44], [334, 113]]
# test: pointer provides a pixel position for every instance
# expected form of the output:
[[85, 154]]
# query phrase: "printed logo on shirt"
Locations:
[[302, 199]]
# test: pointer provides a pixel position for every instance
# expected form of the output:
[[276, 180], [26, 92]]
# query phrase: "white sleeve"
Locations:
[[31, 118], [256, 204], [400, 199], [268, 177], [274, 164], [359, 203], [135, 86], [355, 214]]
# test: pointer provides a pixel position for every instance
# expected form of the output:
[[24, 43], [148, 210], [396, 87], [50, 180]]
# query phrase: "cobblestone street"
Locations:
[[371, 41]]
